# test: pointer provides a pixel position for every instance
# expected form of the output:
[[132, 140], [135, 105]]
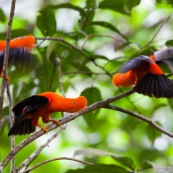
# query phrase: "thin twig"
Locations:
[[6, 55], [55, 159], [11, 116], [83, 72], [154, 36], [77, 49], [141, 117], [97, 105], [34, 155], [101, 35], [4, 80]]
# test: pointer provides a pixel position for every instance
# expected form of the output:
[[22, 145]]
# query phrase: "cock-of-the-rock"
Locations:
[[146, 76], [28, 111], [19, 51]]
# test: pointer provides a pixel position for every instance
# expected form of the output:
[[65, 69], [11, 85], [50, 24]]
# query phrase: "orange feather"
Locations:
[[146, 75], [28, 111], [19, 50]]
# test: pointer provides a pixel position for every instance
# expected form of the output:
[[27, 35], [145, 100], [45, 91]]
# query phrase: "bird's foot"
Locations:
[[43, 128], [56, 122]]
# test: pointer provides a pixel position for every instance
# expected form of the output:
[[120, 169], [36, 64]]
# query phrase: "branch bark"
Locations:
[[33, 156], [141, 117], [6, 55], [62, 40], [55, 159], [97, 105]]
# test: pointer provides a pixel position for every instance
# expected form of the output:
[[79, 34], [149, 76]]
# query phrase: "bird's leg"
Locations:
[[47, 119], [42, 128], [56, 122]]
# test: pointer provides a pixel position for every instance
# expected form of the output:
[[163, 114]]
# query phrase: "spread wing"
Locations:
[[27, 106], [16, 56], [155, 86], [136, 62]]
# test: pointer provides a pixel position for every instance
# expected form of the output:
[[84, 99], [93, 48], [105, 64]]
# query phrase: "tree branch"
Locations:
[[141, 117], [4, 80], [160, 27], [11, 116], [33, 156], [30, 159], [77, 49], [60, 158], [6, 55], [97, 105]]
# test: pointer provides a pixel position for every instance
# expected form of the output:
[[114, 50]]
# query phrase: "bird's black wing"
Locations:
[[17, 56], [22, 125], [136, 62], [155, 86], [29, 105]]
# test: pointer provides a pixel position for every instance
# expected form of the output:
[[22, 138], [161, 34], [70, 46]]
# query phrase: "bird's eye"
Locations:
[[73, 103]]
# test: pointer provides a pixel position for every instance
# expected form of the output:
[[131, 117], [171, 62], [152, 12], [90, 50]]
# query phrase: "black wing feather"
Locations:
[[30, 104], [155, 86], [16, 56], [23, 128], [27, 106], [136, 62]]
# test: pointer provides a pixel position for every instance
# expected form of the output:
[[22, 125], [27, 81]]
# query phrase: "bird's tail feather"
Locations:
[[23, 127], [155, 86]]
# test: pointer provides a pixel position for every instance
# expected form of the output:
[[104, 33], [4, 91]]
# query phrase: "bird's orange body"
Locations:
[[19, 50], [19, 42], [133, 76], [146, 75], [28, 111]]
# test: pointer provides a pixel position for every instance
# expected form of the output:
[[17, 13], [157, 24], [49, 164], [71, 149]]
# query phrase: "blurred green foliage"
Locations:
[[98, 36]]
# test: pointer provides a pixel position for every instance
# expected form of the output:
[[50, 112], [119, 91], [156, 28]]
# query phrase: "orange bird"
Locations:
[[19, 50], [28, 111], [146, 76]]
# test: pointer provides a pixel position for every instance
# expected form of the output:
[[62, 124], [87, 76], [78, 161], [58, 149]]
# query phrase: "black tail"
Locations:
[[155, 86], [21, 128]]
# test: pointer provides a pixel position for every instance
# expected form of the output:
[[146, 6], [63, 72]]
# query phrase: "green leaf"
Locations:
[[92, 152], [114, 5], [169, 43], [67, 5], [46, 21], [109, 26], [88, 15], [2, 16], [125, 161], [129, 4], [165, 1], [100, 168], [93, 95], [153, 133]]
